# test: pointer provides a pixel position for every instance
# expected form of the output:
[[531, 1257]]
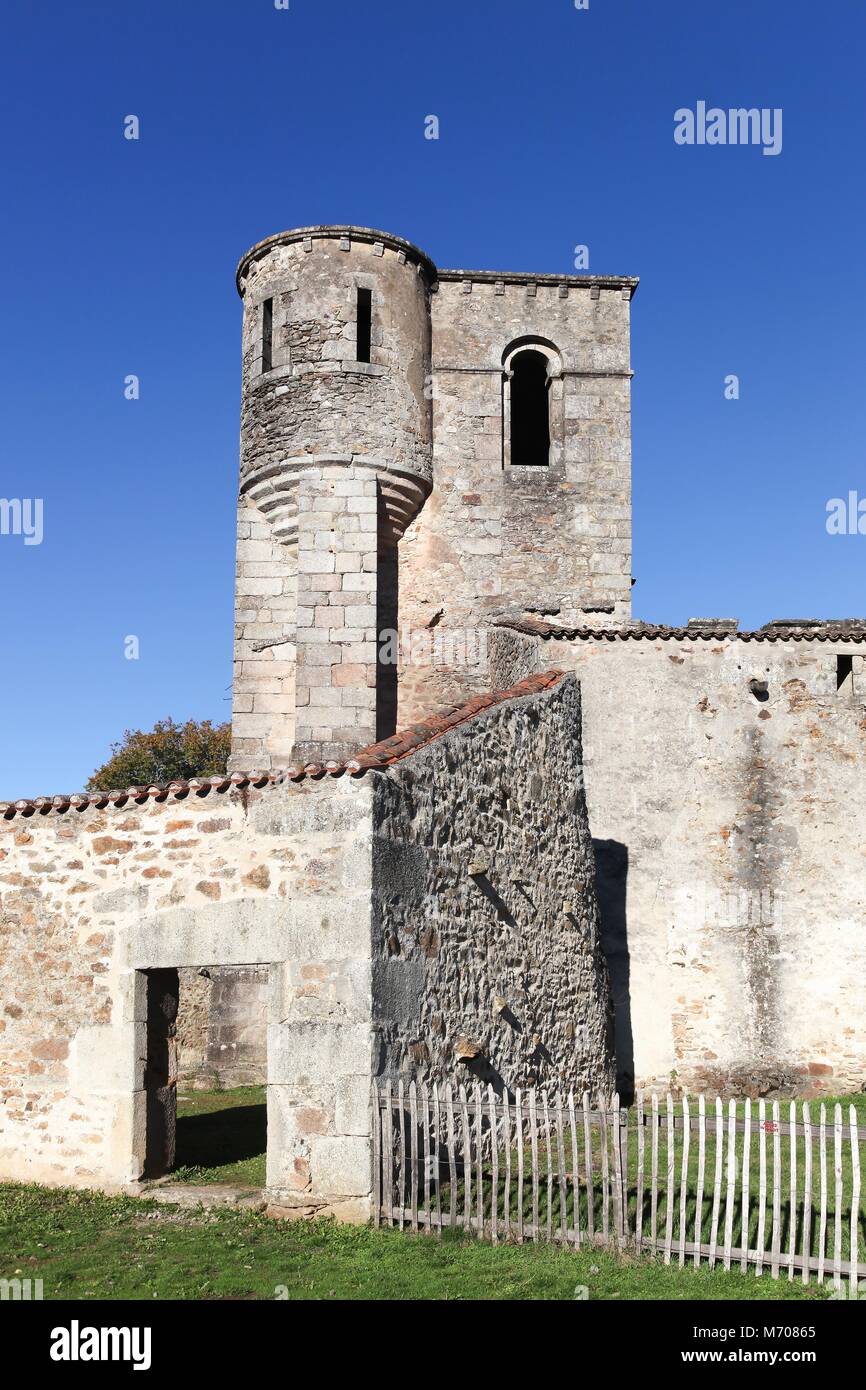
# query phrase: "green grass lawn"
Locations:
[[87, 1246], [222, 1137]]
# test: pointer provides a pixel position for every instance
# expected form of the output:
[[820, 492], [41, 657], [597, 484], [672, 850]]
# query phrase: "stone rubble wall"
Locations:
[[730, 834], [318, 400], [485, 924]]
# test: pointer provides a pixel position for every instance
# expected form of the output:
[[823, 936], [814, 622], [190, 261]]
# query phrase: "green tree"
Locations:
[[164, 753]]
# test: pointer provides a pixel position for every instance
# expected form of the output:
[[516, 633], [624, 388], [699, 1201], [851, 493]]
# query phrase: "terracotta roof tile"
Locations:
[[841, 631], [377, 755]]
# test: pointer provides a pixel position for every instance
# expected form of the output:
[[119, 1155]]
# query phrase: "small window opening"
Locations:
[[760, 690], [365, 325], [530, 420], [267, 335], [844, 671]]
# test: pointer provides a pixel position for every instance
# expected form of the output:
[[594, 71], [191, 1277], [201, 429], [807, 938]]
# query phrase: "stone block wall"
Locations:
[[222, 1024], [730, 832], [335, 461], [494, 536], [96, 896], [338, 563], [263, 685]]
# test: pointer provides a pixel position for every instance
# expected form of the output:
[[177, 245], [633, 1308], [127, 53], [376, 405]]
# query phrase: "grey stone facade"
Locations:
[[728, 810], [335, 461]]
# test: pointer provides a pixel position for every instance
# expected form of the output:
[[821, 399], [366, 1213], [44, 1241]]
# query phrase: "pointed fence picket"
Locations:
[[670, 1178]]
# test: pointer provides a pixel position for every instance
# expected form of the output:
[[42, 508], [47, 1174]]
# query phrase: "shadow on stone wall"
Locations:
[[611, 869]]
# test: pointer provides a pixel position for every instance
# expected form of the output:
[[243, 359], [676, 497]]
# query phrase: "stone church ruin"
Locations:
[[479, 822]]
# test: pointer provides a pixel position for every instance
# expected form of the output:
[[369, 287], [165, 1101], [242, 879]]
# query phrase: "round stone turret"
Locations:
[[336, 461], [336, 368]]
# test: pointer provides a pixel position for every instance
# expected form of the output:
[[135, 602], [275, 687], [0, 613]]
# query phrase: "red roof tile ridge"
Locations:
[[426, 731], [638, 631], [375, 755]]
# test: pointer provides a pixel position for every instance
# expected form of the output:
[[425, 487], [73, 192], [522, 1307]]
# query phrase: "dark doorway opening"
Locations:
[[530, 417], [611, 876], [203, 1127], [160, 1072]]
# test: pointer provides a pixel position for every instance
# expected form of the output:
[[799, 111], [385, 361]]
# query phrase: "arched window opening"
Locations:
[[530, 415]]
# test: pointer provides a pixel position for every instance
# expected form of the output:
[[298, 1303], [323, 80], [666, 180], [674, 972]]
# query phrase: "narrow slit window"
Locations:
[[844, 672], [530, 417], [365, 325], [267, 335]]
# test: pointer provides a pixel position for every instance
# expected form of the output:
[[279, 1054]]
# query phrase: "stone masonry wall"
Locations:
[[222, 1026], [93, 898], [553, 539], [338, 561], [317, 399], [481, 926], [729, 834], [263, 685], [485, 925]]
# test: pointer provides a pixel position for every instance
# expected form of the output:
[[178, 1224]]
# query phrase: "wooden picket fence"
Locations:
[[765, 1185]]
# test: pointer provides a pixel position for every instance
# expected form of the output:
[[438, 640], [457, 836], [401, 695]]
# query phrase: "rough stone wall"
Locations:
[[729, 832], [318, 399], [222, 1026], [553, 539], [54, 989], [476, 899], [92, 899], [485, 925], [193, 1021]]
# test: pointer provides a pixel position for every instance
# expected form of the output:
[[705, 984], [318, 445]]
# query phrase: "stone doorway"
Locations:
[[207, 1128]]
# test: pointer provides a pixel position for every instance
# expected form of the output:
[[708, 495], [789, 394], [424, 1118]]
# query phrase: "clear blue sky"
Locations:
[[556, 129]]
